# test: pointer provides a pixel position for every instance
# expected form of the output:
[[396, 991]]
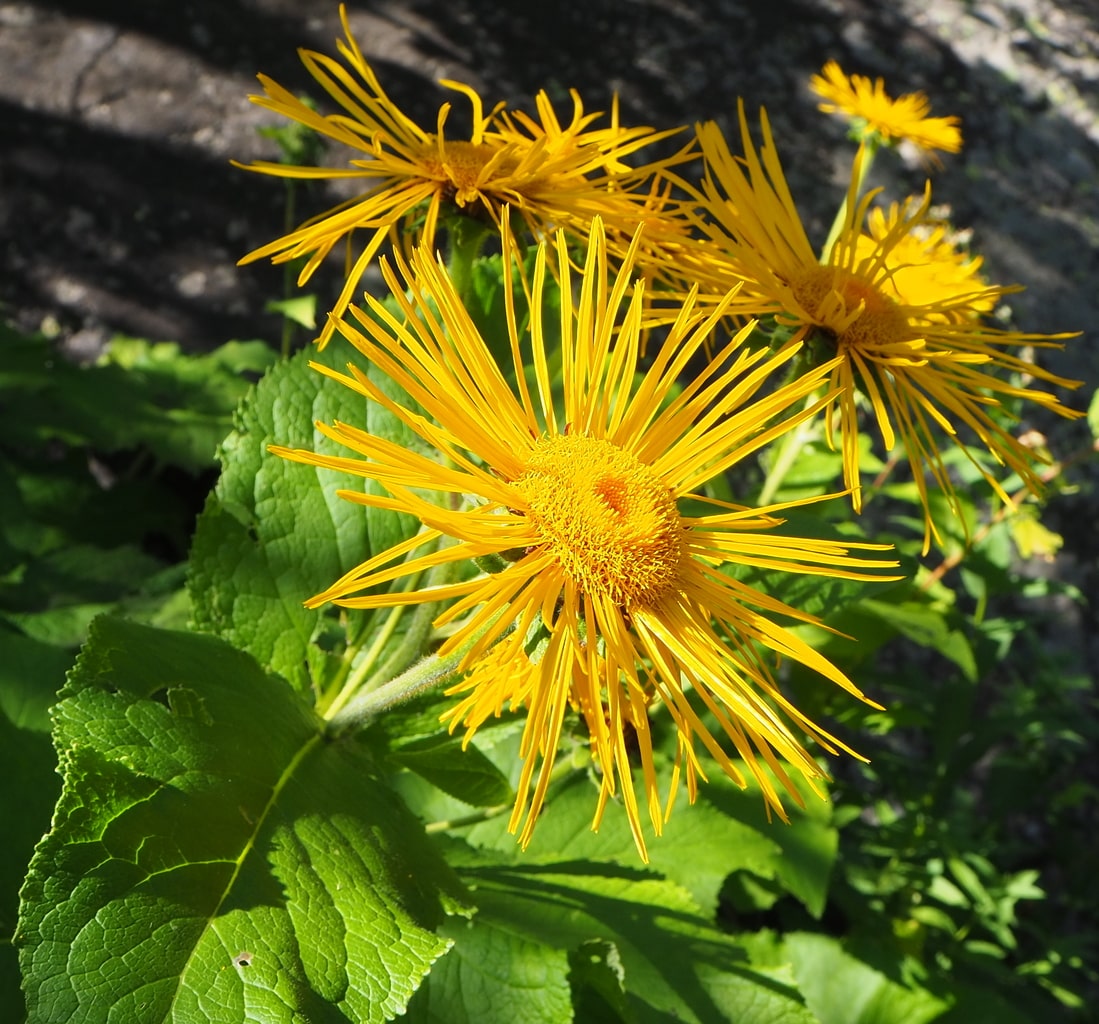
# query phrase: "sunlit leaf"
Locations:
[[839, 989], [674, 964], [493, 976], [274, 532], [213, 858], [700, 847], [301, 309]]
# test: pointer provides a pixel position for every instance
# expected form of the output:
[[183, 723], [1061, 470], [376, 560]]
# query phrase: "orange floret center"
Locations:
[[855, 310], [466, 166], [609, 521]]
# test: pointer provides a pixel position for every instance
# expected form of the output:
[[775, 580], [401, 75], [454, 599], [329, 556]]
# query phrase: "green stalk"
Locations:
[[474, 818], [466, 237], [367, 675], [870, 150], [288, 270], [352, 681], [788, 451], [427, 674]]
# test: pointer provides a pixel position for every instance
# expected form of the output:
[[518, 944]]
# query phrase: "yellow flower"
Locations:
[[610, 560], [922, 357], [873, 112], [552, 175], [925, 265]]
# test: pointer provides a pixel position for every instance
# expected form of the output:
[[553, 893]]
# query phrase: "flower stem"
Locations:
[[869, 150], [366, 705], [474, 818], [357, 669], [353, 681], [466, 236], [788, 451]]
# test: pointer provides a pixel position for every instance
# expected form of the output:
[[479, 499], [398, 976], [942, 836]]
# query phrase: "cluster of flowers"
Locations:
[[577, 474]]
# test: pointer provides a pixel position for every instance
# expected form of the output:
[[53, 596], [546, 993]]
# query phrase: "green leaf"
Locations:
[[213, 858], [1093, 415], [983, 1005], [492, 976], [301, 309], [674, 964], [58, 501], [28, 768], [465, 774], [929, 627], [806, 848], [701, 845], [76, 574], [139, 394], [275, 532], [31, 673], [840, 989]]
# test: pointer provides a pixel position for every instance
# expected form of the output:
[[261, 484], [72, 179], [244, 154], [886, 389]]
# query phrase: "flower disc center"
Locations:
[[609, 520], [462, 165], [832, 297]]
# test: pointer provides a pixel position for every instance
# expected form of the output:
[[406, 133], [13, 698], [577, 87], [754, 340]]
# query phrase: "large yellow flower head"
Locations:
[[550, 174], [876, 115], [921, 355], [609, 595]]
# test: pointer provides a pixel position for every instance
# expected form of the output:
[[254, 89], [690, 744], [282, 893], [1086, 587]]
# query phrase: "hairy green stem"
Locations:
[[425, 675], [353, 678], [474, 818], [355, 669]]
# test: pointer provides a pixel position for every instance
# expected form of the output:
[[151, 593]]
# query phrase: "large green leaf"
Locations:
[[806, 847], [674, 964], [840, 989], [28, 767], [725, 831], [493, 976], [274, 532], [213, 858], [936, 628], [701, 846]]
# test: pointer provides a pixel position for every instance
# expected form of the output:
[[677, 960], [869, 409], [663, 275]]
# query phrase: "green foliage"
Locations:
[[27, 762], [207, 829], [91, 472], [138, 395], [221, 851], [674, 963], [99, 466], [253, 561], [841, 989]]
